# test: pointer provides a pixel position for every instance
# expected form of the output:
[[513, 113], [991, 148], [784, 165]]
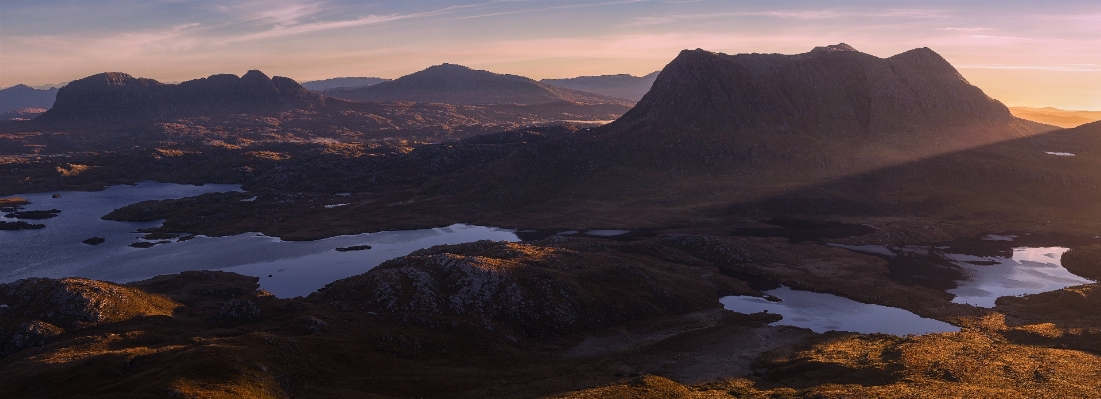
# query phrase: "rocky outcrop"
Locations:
[[37, 309], [456, 84], [115, 97], [533, 291]]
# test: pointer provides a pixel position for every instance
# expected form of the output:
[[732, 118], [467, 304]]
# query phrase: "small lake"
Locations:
[[825, 312], [978, 272], [296, 268]]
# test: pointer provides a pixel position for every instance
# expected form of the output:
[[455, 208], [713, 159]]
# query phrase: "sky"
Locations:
[[1024, 53]]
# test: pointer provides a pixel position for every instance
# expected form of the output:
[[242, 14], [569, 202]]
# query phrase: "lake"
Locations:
[[825, 312], [295, 268]]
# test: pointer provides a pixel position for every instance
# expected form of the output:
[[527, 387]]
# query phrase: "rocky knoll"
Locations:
[[115, 97], [538, 291], [37, 309], [456, 84]]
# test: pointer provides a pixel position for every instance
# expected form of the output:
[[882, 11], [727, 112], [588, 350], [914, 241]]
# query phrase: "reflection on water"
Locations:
[[824, 312], [1029, 271], [296, 268], [978, 272]]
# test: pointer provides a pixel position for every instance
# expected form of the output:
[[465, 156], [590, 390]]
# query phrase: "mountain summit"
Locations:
[[832, 91], [116, 96], [457, 84]]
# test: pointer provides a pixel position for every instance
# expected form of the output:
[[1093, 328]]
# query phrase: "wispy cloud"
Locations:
[[788, 14]]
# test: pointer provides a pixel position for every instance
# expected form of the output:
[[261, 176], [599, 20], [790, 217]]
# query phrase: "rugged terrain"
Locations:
[[563, 317]]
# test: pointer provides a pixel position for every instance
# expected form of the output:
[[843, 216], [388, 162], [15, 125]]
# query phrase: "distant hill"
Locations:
[[342, 83], [23, 96], [1055, 116], [621, 86], [456, 84], [115, 96]]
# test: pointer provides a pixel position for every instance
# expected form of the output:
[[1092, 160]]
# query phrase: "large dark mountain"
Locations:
[[342, 83], [726, 128], [115, 96], [23, 96], [456, 84], [621, 86]]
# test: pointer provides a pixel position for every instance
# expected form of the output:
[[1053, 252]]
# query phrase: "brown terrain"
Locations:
[[740, 168]]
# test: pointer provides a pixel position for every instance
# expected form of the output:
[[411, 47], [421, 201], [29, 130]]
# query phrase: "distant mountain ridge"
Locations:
[[23, 96], [116, 96], [1055, 116], [456, 84], [621, 85], [344, 82]]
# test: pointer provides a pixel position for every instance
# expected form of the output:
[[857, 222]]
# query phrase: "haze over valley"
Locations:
[[557, 200]]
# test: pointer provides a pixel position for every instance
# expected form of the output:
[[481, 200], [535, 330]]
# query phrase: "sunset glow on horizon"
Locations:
[[1022, 53]]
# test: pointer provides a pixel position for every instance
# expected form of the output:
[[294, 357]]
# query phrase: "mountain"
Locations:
[[115, 96], [730, 128], [621, 85], [341, 83], [23, 96], [1055, 116], [456, 84]]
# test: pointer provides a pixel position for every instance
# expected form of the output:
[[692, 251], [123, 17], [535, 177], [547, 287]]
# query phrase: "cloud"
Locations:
[[788, 14]]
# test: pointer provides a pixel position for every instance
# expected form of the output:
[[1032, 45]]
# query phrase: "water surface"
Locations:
[[825, 312], [295, 268]]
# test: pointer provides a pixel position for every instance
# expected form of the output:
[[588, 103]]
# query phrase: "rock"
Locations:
[[238, 309], [34, 215], [20, 226], [354, 248], [95, 241], [55, 196], [143, 244]]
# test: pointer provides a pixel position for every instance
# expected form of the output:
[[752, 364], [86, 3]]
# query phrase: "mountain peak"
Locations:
[[862, 93], [835, 47], [116, 96]]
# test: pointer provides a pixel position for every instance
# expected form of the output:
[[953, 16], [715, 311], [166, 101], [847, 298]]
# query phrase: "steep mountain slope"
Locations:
[[621, 86], [456, 84], [346, 82], [115, 96], [23, 96]]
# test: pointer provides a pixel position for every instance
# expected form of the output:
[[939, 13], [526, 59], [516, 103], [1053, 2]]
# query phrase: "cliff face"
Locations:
[[456, 84], [114, 96]]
